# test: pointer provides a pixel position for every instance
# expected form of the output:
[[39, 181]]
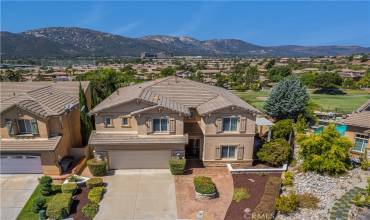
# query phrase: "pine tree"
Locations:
[[85, 120], [288, 99]]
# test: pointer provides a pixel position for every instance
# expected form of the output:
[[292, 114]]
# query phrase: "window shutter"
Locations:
[[240, 153], [219, 125], [243, 124], [34, 127], [149, 125], [10, 127], [172, 125], [218, 153]]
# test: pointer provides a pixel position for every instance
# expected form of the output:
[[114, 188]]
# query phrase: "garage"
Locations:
[[139, 159], [15, 163]]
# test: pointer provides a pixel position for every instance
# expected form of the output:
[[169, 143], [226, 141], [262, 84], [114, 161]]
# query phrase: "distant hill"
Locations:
[[72, 42]]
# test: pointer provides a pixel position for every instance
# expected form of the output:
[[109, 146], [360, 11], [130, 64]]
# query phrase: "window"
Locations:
[[228, 152], [361, 142], [160, 124], [230, 124], [24, 126], [125, 122], [108, 121]]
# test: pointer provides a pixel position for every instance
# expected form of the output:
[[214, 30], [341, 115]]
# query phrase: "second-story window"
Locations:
[[108, 122], [24, 126], [230, 124], [160, 125]]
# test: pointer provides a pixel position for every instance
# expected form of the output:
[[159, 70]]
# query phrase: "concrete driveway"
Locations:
[[15, 191], [139, 194]]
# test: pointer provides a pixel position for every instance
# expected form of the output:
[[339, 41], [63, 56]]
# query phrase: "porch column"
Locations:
[[269, 134]]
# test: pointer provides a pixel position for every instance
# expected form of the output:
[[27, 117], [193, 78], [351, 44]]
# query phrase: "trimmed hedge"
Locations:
[[94, 182], [177, 166], [59, 206], [204, 185], [70, 188], [46, 184], [97, 167], [90, 210], [96, 194], [39, 204]]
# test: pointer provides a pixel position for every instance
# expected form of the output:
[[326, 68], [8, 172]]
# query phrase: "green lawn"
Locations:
[[335, 103]]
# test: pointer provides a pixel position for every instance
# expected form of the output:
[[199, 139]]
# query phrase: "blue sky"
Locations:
[[263, 23]]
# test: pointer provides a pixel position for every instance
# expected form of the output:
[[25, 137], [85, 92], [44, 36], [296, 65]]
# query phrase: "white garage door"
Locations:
[[127, 159], [20, 164]]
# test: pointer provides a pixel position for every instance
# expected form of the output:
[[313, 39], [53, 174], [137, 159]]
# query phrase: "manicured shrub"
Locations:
[[177, 166], [308, 201], [59, 206], [287, 204], [96, 194], [282, 129], [94, 182], [90, 210], [288, 179], [56, 188], [73, 178], [45, 184], [240, 194], [39, 204], [69, 188], [97, 167], [275, 152], [204, 185]]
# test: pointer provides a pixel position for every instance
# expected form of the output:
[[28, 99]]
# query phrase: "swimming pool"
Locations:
[[341, 129]]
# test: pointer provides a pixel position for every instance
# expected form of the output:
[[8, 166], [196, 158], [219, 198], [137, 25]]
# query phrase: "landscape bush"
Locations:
[[275, 152], [96, 194], [282, 129], [90, 210], [97, 167], [204, 185], [38, 204], [94, 182], [240, 194], [363, 199], [70, 188], [265, 209], [177, 166], [56, 188], [46, 185], [288, 179], [287, 204], [59, 206], [308, 201]]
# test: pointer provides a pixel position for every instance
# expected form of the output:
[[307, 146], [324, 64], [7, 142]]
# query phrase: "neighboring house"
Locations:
[[144, 125], [358, 130], [40, 123]]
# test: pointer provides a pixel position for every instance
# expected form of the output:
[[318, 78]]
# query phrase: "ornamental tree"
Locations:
[[275, 152], [288, 99]]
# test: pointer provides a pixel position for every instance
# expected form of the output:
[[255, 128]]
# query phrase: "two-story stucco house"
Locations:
[[144, 125], [40, 123]]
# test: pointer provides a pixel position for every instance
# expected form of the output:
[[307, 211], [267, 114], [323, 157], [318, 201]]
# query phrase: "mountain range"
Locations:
[[69, 42]]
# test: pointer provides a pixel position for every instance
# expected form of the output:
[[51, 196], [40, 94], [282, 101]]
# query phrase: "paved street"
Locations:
[[15, 191], [139, 194]]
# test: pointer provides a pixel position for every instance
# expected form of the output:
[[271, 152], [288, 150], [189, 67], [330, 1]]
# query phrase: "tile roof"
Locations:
[[360, 119], [41, 98], [117, 138], [176, 94], [15, 145]]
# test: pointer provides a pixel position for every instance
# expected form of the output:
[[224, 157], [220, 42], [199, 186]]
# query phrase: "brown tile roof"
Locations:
[[364, 107], [15, 145], [177, 94], [41, 98], [361, 119], [117, 138]]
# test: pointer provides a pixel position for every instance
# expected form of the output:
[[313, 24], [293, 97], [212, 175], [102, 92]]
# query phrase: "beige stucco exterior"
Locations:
[[351, 133]]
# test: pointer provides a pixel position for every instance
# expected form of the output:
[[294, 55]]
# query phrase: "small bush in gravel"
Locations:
[[308, 200], [240, 194], [204, 185], [39, 204], [94, 182], [97, 167], [70, 188], [90, 210], [288, 179], [177, 166], [96, 194], [45, 184], [287, 204]]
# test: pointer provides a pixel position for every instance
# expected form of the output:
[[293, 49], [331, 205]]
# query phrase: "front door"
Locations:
[[193, 149]]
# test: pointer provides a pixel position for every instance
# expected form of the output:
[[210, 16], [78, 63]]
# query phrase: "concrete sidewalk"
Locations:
[[139, 194]]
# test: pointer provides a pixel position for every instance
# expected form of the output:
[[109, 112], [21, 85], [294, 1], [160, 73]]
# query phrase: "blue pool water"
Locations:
[[341, 129]]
